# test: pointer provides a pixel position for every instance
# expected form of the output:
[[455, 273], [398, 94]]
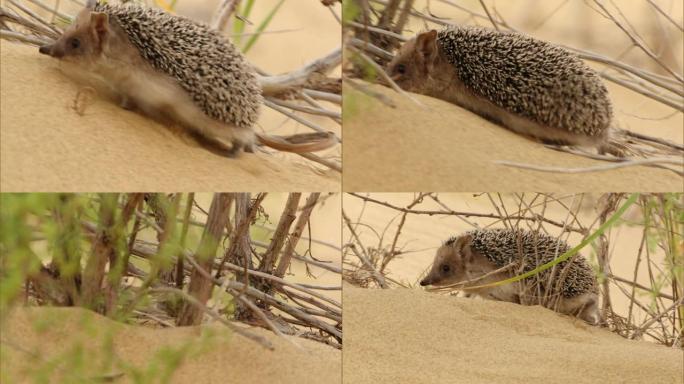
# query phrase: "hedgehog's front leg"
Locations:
[[584, 306]]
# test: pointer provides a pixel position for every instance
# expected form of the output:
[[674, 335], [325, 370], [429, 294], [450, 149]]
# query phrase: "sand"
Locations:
[[54, 333], [46, 146], [441, 146], [410, 336]]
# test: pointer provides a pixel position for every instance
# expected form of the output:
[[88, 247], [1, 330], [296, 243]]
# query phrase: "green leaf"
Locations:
[[239, 26]]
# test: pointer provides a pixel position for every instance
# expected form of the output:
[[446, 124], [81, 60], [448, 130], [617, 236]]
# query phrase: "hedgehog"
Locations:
[[529, 86], [170, 68], [485, 256]]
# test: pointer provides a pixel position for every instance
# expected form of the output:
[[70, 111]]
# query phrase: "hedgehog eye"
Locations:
[[445, 268], [401, 69], [75, 43]]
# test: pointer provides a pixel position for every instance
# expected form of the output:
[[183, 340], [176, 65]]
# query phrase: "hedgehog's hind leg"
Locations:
[[615, 144], [193, 118], [244, 138], [162, 97]]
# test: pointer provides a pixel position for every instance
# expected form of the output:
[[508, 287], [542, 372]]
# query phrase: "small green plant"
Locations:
[[239, 25]]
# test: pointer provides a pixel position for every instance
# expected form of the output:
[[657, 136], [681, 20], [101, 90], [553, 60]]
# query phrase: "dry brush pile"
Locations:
[[150, 259], [654, 310]]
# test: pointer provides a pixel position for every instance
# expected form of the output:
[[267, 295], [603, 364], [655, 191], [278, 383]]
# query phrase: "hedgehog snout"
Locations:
[[424, 282], [51, 50], [45, 49]]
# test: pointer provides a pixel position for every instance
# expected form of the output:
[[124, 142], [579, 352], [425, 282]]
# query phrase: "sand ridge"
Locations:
[[412, 336], [441, 146], [222, 357]]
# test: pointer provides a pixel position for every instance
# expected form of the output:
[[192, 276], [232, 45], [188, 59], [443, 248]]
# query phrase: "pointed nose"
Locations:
[[45, 49], [424, 282]]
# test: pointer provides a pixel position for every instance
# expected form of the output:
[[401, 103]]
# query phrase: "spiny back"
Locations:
[[529, 77], [206, 65], [531, 249]]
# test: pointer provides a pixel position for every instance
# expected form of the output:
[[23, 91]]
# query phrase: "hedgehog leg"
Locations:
[[214, 130], [584, 307], [614, 149], [589, 311], [244, 138]]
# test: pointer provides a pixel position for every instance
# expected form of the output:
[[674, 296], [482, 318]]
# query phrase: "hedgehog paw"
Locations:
[[235, 149], [614, 149], [249, 148]]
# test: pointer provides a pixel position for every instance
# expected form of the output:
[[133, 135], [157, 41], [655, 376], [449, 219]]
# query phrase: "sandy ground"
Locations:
[[47, 146], [441, 146], [409, 336], [84, 345]]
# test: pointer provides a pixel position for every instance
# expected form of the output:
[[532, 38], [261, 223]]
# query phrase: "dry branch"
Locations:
[[294, 237], [305, 77], [200, 287], [102, 252]]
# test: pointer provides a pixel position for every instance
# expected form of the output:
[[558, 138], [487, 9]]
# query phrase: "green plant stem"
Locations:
[[262, 26]]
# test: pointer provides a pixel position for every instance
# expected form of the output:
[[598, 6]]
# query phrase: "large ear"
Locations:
[[462, 246], [99, 23], [426, 44], [463, 241]]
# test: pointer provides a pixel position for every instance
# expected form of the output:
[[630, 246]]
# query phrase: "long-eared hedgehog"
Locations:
[[530, 86], [170, 68], [482, 256]]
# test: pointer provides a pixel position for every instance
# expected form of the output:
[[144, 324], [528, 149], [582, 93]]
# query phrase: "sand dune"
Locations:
[[54, 334], [411, 336]]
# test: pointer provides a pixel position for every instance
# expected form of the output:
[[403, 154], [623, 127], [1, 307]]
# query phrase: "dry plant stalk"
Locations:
[[200, 287]]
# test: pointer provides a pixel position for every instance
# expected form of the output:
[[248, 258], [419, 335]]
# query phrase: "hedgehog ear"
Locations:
[[463, 247], [99, 22], [463, 241], [426, 44]]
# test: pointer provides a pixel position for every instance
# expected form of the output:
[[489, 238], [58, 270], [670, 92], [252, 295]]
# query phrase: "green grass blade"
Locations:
[[615, 217], [239, 26], [264, 23]]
